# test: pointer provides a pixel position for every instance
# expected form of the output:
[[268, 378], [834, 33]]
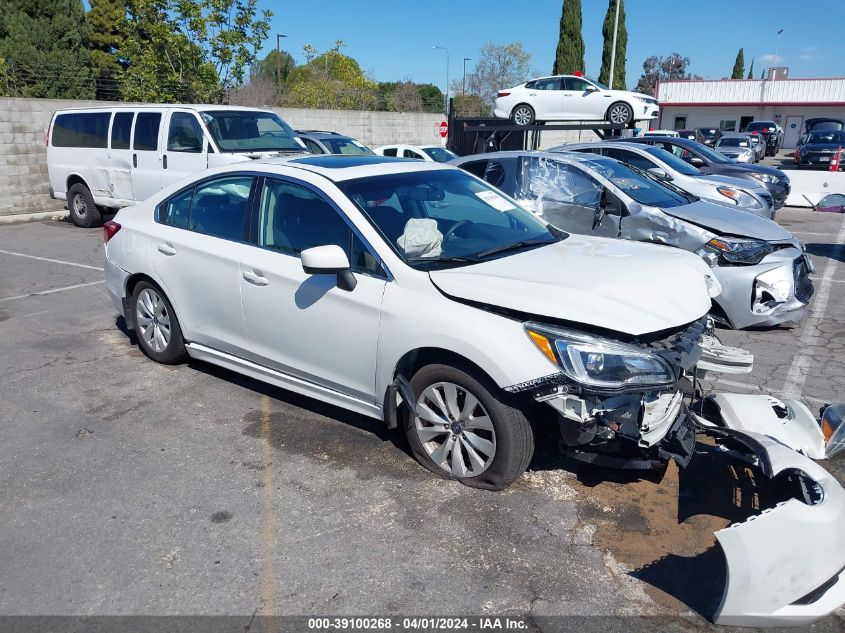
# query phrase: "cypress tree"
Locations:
[[570, 45], [45, 47], [739, 66], [751, 71], [107, 24], [621, 46]]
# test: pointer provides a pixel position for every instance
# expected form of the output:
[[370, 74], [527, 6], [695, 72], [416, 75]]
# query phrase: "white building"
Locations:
[[731, 104]]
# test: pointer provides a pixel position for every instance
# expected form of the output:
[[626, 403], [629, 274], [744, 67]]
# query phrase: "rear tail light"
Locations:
[[502, 94], [110, 229]]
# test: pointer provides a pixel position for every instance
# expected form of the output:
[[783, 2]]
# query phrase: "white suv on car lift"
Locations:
[[572, 98], [418, 294]]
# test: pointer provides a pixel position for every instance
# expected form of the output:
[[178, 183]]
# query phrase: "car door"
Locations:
[[301, 324], [581, 101], [146, 155], [187, 147], [565, 196], [200, 240], [547, 98], [120, 155]]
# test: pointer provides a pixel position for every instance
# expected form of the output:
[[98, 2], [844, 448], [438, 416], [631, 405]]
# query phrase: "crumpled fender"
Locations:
[[787, 421], [785, 565]]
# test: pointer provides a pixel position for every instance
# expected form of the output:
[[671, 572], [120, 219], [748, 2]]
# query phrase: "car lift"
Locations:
[[495, 134]]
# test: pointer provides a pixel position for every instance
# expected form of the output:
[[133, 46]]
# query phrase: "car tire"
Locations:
[[522, 115], [156, 325], [493, 437], [619, 113], [83, 211]]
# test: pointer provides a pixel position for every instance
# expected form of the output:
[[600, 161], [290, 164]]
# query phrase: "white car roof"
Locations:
[[339, 167]]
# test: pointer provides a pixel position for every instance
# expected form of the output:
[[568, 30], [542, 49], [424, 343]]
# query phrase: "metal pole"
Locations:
[[464, 80], [613, 47], [777, 45], [279, 37], [443, 48]]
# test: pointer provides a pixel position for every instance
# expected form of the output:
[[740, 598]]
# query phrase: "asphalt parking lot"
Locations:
[[128, 487]]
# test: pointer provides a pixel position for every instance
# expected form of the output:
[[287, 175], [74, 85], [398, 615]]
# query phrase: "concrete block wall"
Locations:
[[24, 186]]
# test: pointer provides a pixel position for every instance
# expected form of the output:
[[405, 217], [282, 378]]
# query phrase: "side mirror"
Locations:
[[696, 161], [591, 89], [658, 173], [329, 260]]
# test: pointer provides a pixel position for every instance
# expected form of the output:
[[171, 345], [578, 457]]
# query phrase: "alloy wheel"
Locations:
[[455, 429], [522, 116], [153, 320], [619, 113]]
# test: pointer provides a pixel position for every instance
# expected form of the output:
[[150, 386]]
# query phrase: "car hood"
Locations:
[[613, 284], [741, 168], [726, 221], [740, 183]]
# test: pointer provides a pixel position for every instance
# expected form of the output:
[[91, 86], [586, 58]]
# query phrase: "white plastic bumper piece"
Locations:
[[721, 358], [785, 565]]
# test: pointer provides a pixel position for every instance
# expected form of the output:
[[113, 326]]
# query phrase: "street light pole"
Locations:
[[613, 46], [777, 45], [443, 48], [279, 37], [464, 80]]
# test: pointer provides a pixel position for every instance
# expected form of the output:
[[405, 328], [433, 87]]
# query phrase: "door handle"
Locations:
[[135, 160], [164, 161], [255, 278], [166, 249]]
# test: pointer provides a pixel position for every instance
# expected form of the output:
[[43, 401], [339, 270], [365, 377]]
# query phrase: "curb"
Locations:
[[34, 217]]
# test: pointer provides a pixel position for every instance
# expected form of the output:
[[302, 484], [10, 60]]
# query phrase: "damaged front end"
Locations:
[[624, 404], [785, 565]]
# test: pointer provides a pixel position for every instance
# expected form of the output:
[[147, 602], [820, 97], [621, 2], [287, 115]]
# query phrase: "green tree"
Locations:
[[108, 28], [763, 74], [330, 80], [432, 97], [45, 47], [671, 67], [751, 71], [569, 56], [180, 50], [739, 65], [621, 46], [499, 66], [275, 68]]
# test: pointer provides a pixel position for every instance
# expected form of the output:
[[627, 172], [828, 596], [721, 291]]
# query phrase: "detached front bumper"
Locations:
[[773, 292], [785, 566]]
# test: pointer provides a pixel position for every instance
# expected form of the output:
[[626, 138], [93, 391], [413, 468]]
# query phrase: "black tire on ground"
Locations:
[[174, 353], [514, 433], [522, 115], [619, 113], [83, 212]]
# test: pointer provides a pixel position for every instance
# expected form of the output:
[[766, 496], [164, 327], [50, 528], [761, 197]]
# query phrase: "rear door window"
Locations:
[[81, 129], [220, 206], [121, 129], [390, 151], [146, 131], [412, 154]]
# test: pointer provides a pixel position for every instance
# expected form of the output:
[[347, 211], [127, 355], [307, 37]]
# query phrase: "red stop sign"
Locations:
[[444, 129]]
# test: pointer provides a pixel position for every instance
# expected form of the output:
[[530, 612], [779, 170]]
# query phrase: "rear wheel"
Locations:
[[620, 113], [463, 428], [83, 212], [156, 325], [523, 115]]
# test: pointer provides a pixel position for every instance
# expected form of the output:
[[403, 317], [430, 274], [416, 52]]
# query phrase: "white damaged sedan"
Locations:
[[417, 294]]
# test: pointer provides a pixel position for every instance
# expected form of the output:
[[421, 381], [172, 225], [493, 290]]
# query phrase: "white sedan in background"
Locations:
[[572, 98], [429, 153]]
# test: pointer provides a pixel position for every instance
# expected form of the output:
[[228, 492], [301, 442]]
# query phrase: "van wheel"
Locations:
[[83, 212], [465, 428], [156, 325]]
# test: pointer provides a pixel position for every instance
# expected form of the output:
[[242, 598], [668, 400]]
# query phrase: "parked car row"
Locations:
[[766, 137]]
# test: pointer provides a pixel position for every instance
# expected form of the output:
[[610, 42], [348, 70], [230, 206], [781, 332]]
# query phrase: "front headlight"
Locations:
[[736, 250], [646, 100], [598, 362], [740, 198], [767, 178]]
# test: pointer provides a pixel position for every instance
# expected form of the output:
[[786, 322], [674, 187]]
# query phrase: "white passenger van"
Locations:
[[101, 159]]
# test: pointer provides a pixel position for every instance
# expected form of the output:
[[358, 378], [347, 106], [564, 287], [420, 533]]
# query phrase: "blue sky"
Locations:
[[393, 39]]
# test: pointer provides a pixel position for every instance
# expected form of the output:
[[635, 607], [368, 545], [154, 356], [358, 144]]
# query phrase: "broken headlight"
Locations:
[[597, 362], [740, 198], [737, 250]]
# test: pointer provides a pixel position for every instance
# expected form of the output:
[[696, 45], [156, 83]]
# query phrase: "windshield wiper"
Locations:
[[445, 258], [504, 248]]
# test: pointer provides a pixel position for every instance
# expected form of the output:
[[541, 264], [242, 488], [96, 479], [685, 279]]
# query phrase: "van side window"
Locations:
[[81, 129], [219, 207], [121, 129], [184, 134], [146, 131]]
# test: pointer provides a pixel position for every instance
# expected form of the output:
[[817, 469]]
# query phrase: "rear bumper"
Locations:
[[116, 284]]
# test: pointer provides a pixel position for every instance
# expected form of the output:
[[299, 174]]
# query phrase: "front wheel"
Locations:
[[464, 428], [83, 211], [523, 115], [620, 113]]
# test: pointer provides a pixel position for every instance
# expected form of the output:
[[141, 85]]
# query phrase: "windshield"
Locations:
[[347, 146], [708, 132], [826, 125], [439, 154], [826, 137], [637, 185], [733, 141], [761, 126], [250, 131], [673, 161], [445, 218], [709, 154]]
